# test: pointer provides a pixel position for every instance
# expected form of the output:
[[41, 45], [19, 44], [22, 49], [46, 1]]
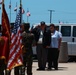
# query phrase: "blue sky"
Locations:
[[64, 10]]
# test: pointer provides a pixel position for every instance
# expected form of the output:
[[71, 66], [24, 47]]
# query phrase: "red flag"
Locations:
[[16, 43], [5, 23], [5, 35], [4, 48]]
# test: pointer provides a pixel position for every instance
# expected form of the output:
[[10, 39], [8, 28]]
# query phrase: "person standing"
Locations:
[[27, 42], [2, 64], [43, 39], [53, 51]]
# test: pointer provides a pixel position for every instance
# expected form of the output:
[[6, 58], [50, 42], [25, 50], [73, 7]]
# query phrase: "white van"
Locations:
[[69, 35]]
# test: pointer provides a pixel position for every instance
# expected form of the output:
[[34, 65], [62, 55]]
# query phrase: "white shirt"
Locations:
[[55, 39], [40, 38]]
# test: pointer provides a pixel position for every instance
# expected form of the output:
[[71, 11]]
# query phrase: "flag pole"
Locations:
[[27, 16], [10, 10], [21, 9], [16, 7], [20, 3], [2, 1], [2, 4]]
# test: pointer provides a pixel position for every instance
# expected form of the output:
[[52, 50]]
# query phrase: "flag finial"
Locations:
[[2, 1]]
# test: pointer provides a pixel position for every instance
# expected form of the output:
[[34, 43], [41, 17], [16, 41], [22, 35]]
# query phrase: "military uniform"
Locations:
[[27, 40]]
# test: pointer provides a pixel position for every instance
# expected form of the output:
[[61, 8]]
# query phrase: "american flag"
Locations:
[[16, 42], [28, 13], [0, 1], [23, 11]]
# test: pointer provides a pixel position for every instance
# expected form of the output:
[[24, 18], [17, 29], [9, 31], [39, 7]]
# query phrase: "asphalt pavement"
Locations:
[[68, 68]]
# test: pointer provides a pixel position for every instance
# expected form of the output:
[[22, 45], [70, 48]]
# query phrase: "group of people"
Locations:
[[47, 41]]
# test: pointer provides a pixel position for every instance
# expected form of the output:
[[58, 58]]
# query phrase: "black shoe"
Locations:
[[56, 68], [40, 69], [49, 69]]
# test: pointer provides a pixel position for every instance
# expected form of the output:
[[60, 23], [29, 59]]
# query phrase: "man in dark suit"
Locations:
[[43, 40]]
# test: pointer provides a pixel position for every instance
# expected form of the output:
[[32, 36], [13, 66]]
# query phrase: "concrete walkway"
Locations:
[[64, 69]]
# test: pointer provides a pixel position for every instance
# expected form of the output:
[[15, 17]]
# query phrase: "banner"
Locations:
[[5, 38], [16, 43]]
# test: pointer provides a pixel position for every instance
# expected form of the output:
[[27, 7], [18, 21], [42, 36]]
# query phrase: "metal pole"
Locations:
[[20, 2], [10, 10], [2, 4], [51, 14], [16, 7], [27, 15], [21, 9], [27, 19], [2, 1]]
